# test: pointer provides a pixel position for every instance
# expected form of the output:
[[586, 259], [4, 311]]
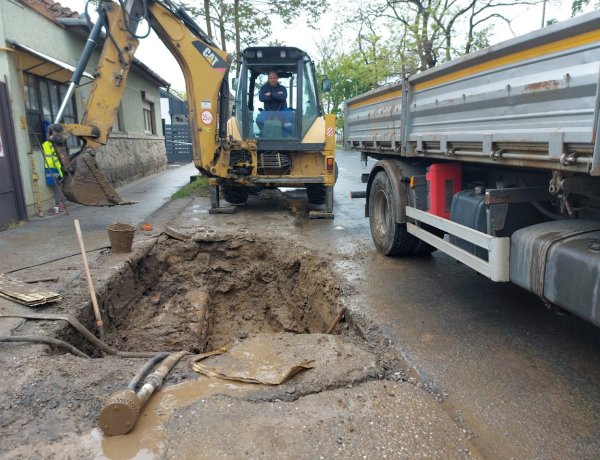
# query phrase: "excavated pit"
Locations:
[[207, 291]]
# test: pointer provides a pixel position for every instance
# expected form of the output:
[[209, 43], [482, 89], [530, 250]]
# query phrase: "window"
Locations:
[[148, 113], [42, 102], [310, 107], [148, 121], [265, 124], [118, 125]]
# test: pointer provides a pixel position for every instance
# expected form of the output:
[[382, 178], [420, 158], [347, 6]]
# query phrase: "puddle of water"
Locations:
[[146, 439]]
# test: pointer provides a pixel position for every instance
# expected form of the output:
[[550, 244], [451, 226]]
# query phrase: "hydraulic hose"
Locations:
[[46, 340], [155, 379], [146, 368]]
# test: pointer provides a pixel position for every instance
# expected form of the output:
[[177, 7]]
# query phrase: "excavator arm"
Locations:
[[204, 66]]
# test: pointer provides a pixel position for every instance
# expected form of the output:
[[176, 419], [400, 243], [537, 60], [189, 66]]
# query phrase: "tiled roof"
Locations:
[[57, 10], [51, 8]]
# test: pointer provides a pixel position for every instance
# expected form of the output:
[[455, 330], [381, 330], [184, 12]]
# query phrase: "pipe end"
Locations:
[[119, 413]]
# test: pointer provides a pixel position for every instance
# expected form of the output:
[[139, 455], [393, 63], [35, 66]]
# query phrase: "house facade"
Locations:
[[40, 44]]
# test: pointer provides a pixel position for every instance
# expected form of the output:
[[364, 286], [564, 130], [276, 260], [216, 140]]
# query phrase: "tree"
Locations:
[[367, 65], [429, 27], [578, 6], [247, 22]]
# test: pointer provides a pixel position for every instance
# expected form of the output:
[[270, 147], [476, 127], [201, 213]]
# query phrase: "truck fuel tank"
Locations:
[[560, 262]]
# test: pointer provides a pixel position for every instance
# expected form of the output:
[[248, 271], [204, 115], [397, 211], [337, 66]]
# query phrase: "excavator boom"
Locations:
[[84, 181]]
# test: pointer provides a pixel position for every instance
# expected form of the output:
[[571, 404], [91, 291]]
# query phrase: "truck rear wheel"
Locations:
[[390, 237], [235, 194]]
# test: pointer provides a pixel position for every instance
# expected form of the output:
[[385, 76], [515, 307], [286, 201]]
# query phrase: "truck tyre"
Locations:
[[315, 193], [390, 237], [234, 194]]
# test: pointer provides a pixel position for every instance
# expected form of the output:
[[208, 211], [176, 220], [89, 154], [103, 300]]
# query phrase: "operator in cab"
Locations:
[[276, 111], [273, 94]]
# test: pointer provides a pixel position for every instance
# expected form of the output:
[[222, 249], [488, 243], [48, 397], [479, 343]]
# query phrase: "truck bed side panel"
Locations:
[[373, 121], [531, 102]]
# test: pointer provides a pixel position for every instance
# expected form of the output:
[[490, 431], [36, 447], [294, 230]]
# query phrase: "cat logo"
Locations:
[[215, 61], [210, 56]]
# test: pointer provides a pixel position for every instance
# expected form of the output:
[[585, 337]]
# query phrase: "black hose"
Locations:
[[146, 368], [46, 340], [86, 333], [155, 379], [56, 260], [546, 212]]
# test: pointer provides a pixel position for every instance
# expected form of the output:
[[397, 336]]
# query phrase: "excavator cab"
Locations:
[[286, 145], [291, 120]]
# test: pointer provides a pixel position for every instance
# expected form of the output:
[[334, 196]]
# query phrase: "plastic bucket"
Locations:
[[52, 176], [120, 237]]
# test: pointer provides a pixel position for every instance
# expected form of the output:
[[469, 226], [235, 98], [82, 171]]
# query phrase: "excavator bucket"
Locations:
[[84, 183]]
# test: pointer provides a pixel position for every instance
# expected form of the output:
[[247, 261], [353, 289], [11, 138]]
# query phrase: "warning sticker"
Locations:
[[206, 117], [205, 104]]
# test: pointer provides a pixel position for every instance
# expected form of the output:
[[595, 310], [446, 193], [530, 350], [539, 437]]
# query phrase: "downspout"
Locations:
[[36, 187]]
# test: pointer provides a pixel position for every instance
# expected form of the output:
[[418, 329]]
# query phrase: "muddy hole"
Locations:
[[208, 291]]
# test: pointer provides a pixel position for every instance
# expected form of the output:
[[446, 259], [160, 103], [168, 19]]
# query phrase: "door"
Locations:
[[12, 204]]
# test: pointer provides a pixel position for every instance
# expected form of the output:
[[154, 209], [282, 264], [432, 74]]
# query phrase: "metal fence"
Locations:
[[178, 143]]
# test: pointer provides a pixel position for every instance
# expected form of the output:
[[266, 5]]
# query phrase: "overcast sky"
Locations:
[[152, 52]]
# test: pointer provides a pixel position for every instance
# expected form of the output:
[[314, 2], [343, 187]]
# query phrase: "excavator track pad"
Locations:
[[85, 184]]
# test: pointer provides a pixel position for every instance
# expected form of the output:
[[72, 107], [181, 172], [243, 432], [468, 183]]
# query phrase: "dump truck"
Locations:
[[238, 153], [494, 159]]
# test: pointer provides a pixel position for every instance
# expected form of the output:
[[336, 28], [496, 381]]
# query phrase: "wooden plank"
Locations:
[[21, 292]]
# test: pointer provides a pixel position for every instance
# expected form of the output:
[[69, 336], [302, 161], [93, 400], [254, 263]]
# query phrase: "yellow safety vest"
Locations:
[[51, 158]]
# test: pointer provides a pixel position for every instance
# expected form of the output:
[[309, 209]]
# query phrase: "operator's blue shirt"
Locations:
[[277, 100]]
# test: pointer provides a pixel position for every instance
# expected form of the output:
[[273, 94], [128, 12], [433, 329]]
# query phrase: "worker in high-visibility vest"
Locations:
[[52, 166]]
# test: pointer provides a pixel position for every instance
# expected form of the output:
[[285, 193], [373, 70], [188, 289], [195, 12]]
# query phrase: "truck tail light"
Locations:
[[330, 163]]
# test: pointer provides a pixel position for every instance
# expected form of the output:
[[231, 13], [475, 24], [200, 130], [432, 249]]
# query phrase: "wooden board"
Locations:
[[26, 294]]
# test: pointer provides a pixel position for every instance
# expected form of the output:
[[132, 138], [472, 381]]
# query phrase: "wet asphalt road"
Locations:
[[522, 380]]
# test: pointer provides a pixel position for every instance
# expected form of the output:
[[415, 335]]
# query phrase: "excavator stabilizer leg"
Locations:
[[85, 184]]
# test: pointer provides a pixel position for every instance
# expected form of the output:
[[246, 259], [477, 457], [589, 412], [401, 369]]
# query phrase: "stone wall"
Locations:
[[131, 156]]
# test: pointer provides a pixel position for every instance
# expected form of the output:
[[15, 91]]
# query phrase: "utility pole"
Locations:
[[544, 14]]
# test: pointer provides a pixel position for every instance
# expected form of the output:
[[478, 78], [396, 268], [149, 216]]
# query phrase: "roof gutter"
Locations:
[[82, 20]]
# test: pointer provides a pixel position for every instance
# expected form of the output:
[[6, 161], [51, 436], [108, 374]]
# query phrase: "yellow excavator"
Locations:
[[240, 152]]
